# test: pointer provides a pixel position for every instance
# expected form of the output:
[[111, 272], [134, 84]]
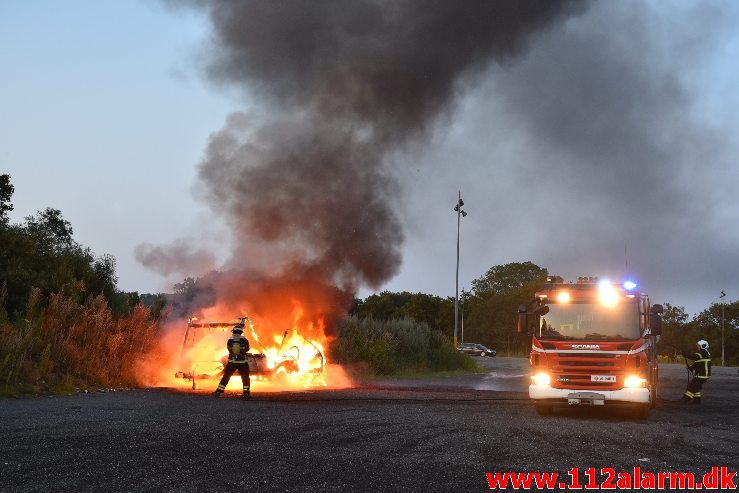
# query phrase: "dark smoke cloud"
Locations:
[[303, 178], [614, 147], [618, 116]]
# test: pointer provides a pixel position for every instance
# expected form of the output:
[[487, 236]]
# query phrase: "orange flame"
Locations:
[[289, 358]]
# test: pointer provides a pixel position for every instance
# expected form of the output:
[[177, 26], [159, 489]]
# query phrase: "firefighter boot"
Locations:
[[217, 394], [685, 399], [246, 396], [696, 400]]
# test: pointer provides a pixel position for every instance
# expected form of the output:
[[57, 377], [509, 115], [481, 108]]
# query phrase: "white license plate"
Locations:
[[602, 378]]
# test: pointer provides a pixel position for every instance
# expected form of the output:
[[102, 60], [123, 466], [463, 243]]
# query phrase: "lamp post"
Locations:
[[461, 337], [460, 215], [722, 327]]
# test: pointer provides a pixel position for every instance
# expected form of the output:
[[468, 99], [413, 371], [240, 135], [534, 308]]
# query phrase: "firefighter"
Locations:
[[237, 346], [701, 369]]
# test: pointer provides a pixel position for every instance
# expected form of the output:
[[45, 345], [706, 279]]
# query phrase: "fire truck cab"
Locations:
[[593, 344]]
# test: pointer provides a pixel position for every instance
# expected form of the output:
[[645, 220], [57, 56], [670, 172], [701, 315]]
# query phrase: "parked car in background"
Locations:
[[475, 349]]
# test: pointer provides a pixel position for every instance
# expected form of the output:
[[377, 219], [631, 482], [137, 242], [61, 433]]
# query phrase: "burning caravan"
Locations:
[[203, 355]]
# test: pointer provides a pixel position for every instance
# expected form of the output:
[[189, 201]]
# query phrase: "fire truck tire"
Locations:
[[543, 410]]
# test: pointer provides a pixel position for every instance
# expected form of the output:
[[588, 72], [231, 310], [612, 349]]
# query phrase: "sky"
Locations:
[[607, 138]]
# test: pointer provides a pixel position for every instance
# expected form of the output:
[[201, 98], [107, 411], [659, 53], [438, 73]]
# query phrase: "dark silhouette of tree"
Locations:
[[6, 193], [41, 253]]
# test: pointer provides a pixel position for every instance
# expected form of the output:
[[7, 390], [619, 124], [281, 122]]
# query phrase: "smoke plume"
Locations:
[[179, 257], [617, 145], [303, 177]]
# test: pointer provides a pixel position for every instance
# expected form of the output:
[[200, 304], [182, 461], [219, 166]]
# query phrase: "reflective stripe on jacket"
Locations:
[[701, 363]]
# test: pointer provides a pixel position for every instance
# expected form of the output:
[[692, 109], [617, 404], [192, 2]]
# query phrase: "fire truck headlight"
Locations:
[[540, 379], [608, 297], [634, 381], [563, 297]]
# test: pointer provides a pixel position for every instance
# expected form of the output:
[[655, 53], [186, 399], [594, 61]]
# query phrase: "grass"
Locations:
[[397, 347], [63, 345]]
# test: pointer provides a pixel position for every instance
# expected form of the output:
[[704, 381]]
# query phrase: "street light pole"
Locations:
[[460, 215], [461, 338], [722, 327]]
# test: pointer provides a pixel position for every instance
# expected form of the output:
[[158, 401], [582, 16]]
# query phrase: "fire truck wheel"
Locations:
[[543, 410]]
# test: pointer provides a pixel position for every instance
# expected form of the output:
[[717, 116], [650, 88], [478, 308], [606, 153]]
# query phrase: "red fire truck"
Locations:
[[593, 344]]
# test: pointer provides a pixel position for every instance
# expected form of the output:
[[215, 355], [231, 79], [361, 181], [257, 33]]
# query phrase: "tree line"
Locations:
[[60, 309], [63, 321], [490, 310]]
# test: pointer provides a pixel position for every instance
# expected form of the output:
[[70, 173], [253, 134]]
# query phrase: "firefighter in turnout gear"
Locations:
[[237, 345], [701, 369]]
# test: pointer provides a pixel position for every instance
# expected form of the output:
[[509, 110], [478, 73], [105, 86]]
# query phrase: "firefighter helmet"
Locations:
[[703, 344], [238, 329]]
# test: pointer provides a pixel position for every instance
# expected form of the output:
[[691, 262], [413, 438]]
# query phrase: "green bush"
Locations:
[[395, 346]]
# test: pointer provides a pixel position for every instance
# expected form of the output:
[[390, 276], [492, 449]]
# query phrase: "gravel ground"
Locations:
[[396, 435]]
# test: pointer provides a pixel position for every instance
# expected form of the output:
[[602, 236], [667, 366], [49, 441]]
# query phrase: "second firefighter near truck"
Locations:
[[701, 368], [237, 346]]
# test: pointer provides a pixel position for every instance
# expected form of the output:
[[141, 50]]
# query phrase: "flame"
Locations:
[[290, 350]]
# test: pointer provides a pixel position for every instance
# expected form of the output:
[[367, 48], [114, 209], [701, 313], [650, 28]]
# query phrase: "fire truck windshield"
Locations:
[[595, 322]]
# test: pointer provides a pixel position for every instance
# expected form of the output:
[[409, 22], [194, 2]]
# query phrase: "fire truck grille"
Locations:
[[578, 381], [586, 363], [575, 370], [581, 381], [587, 355]]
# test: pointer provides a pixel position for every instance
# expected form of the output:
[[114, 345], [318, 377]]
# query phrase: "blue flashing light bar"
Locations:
[[629, 285]]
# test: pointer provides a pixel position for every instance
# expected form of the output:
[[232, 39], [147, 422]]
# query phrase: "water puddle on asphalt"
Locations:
[[517, 382]]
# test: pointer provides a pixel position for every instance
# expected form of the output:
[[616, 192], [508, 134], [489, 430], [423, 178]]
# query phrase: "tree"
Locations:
[[51, 230], [674, 320], [680, 334], [493, 306], [41, 254], [508, 278], [708, 327], [6, 192], [436, 312]]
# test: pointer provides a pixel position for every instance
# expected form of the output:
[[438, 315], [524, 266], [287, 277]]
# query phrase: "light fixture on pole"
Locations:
[[460, 215], [722, 327]]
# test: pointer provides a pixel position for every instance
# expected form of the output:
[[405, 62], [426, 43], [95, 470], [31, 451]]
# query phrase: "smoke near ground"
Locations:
[[302, 177]]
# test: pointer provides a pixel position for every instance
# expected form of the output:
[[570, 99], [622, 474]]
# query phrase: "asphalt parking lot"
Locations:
[[440, 434]]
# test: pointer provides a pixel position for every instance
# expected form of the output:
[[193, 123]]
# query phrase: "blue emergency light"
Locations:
[[629, 285]]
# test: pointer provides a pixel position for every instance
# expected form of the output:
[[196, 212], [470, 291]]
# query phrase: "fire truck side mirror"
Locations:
[[522, 319], [541, 310], [655, 320]]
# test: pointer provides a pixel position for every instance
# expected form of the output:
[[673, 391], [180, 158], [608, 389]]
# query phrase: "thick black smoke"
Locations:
[[303, 177], [611, 132]]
